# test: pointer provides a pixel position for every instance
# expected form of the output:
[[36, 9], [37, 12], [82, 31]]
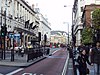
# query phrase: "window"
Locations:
[[17, 5], [81, 9]]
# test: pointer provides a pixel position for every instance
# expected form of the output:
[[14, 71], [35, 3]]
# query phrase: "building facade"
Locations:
[[87, 20], [58, 38], [21, 21], [77, 12], [45, 29]]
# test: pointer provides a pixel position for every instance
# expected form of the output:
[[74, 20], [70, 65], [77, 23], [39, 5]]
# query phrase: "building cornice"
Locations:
[[28, 6]]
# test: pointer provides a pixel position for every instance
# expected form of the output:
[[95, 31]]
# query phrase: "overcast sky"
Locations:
[[57, 12]]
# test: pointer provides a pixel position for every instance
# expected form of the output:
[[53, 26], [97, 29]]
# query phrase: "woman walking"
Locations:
[[82, 61]]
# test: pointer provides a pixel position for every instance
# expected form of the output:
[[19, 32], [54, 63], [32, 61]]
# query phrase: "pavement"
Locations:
[[70, 67], [70, 70], [20, 61]]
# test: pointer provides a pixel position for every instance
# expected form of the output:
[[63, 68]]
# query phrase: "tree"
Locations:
[[96, 19], [87, 36], [96, 23]]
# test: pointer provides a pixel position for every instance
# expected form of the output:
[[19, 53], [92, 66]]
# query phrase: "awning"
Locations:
[[25, 31]]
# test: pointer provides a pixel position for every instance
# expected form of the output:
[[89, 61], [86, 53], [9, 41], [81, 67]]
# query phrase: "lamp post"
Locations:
[[66, 6], [68, 30], [5, 26], [1, 26]]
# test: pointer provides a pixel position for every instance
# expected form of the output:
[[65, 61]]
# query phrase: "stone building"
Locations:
[[87, 19], [58, 37], [21, 21], [77, 12]]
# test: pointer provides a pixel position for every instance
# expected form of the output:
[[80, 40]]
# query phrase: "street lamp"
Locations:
[[67, 6], [68, 30]]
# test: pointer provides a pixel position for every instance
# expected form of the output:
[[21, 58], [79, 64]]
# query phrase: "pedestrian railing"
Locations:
[[36, 53]]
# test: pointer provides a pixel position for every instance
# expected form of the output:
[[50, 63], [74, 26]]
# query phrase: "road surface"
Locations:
[[52, 65]]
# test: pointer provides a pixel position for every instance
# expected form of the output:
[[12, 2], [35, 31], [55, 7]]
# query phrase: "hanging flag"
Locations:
[[34, 27], [31, 24], [26, 24]]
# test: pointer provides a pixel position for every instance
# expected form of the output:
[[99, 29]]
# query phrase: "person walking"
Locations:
[[95, 57], [82, 61]]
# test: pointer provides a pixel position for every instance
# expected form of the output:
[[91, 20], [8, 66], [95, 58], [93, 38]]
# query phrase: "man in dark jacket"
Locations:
[[96, 56], [83, 60]]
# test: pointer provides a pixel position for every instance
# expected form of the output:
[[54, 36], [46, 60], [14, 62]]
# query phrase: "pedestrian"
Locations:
[[87, 50], [82, 61], [90, 50], [80, 48], [95, 57]]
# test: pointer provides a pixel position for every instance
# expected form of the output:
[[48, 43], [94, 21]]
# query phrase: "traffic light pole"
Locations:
[[1, 37], [4, 33]]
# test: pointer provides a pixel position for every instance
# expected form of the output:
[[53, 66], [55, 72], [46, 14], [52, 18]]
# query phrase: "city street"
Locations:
[[59, 37], [52, 65]]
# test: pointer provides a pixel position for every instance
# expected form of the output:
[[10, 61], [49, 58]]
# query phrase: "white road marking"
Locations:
[[28, 74], [54, 51], [11, 73], [65, 66]]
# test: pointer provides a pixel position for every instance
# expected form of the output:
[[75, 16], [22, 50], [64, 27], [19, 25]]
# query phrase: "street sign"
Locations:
[[11, 35]]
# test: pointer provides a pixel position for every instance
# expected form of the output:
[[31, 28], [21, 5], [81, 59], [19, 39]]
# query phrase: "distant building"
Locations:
[[58, 37]]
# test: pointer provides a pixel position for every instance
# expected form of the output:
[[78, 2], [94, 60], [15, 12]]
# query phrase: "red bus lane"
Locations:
[[52, 65]]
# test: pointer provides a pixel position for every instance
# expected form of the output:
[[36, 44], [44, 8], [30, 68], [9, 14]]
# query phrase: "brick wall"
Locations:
[[87, 13]]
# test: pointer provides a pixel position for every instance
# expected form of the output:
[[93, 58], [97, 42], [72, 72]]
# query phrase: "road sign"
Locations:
[[11, 35]]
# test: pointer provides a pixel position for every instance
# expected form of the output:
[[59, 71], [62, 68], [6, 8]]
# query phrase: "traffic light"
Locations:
[[74, 39], [45, 38], [3, 31], [39, 36]]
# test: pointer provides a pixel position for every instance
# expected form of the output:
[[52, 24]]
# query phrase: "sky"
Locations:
[[58, 12]]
